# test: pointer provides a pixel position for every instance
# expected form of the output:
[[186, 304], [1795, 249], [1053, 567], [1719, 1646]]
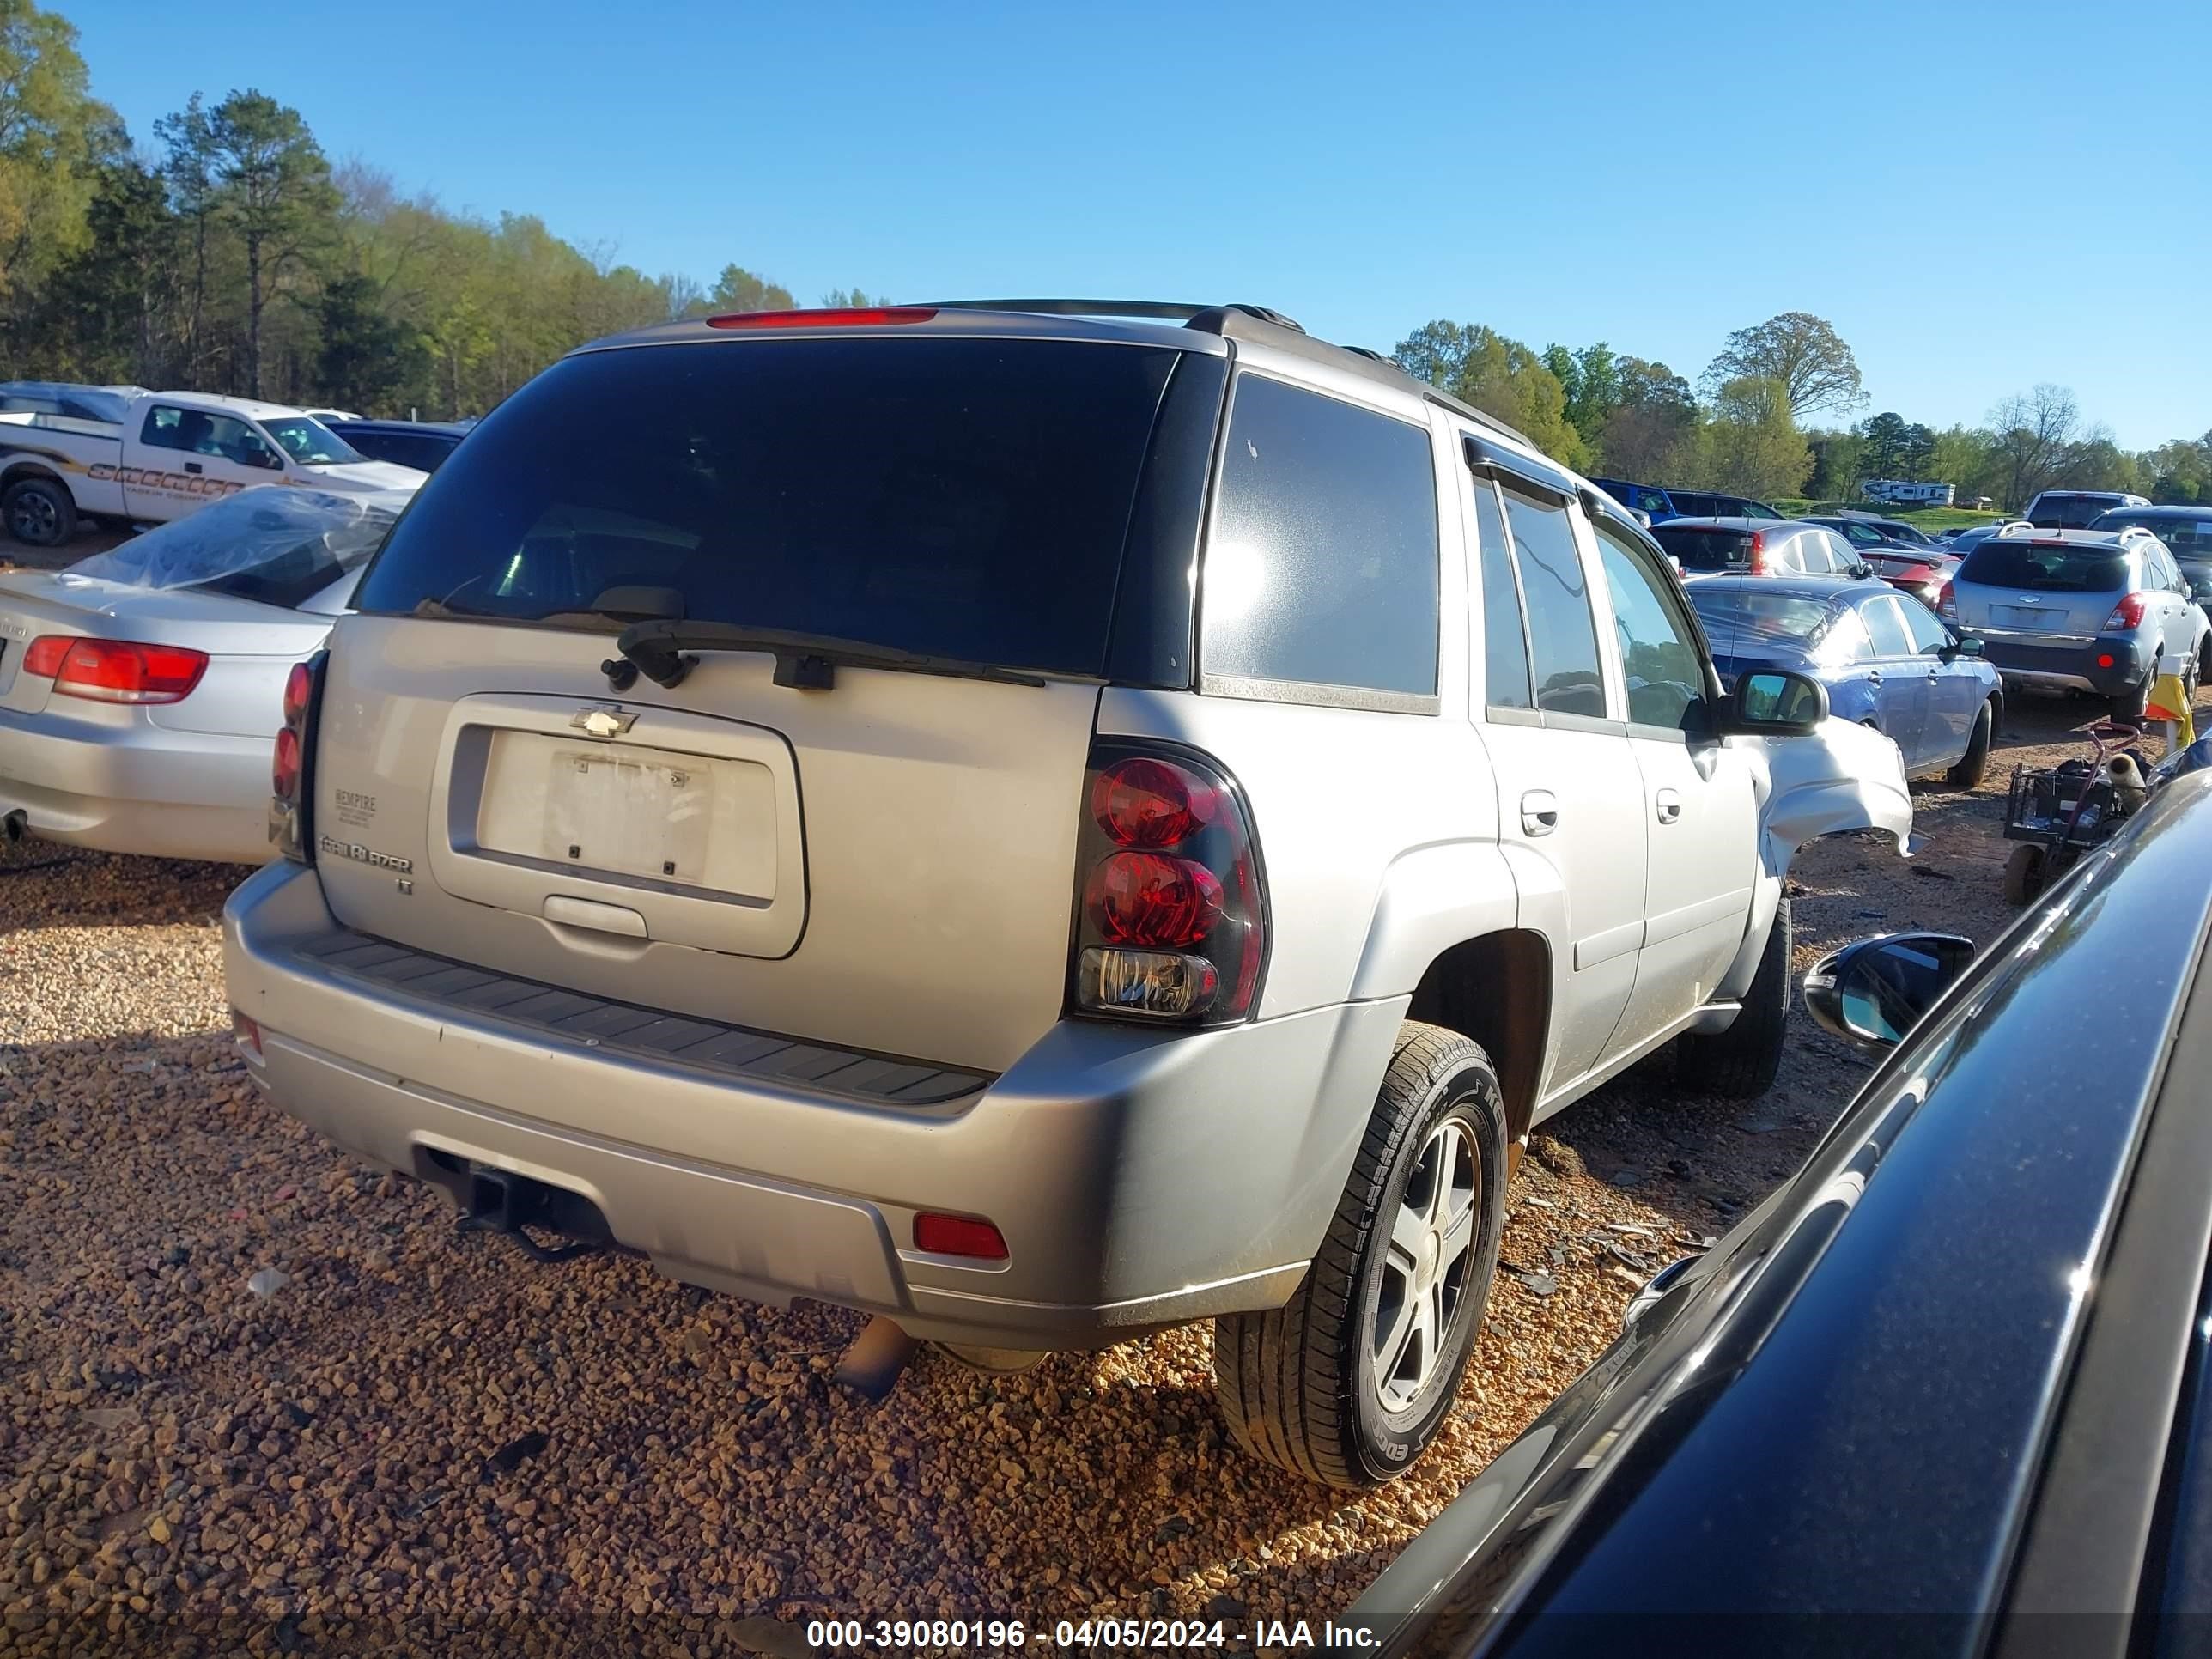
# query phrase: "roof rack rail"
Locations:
[[1163, 310]]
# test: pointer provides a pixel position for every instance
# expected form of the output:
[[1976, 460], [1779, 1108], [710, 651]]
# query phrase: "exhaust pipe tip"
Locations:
[[15, 826]]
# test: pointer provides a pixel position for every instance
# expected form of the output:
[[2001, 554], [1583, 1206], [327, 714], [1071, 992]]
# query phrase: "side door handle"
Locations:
[[1540, 813], [1670, 806], [1873, 676]]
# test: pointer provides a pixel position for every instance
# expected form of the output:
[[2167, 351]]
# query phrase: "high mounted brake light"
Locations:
[[1170, 909], [825, 317]]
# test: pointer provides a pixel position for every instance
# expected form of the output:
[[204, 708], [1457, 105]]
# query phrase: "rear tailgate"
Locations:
[[2022, 586], [887, 864]]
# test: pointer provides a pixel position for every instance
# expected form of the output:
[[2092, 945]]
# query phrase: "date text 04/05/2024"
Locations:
[[1011, 1635]]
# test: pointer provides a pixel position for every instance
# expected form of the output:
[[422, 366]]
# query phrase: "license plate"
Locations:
[[609, 810], [2030, 616]]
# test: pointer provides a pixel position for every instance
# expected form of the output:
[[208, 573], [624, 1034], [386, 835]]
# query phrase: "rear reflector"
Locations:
[[115, 670], [245, 1030], [827, 317], [958, 1234]]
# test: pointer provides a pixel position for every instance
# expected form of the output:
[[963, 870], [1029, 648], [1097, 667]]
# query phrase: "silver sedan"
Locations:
[[141, 689]]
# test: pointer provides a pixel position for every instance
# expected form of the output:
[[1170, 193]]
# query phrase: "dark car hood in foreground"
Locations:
[[1821, 1438]]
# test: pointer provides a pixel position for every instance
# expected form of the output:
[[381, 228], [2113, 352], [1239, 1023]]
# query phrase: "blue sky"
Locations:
[[1979, 197]]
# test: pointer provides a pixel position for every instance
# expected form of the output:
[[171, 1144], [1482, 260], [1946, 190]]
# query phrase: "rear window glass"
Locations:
[[273, 544], [1998, 562], [2070, 512], [1737, 621], [1322, 568], [2187, 538], [954, 497], [1705, 550]]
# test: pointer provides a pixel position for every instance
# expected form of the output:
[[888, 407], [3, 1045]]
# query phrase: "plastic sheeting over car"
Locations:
[[276, 543]]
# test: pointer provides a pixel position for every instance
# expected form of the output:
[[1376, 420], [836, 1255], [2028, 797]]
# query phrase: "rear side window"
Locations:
[[2045, 568], [2188, 538], [1322, 568], [961, 498], [1887, 628], [1562, 632], [1705, 550]]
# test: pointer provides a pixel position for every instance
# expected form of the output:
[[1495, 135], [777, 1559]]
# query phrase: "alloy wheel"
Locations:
[[1425, 1270]]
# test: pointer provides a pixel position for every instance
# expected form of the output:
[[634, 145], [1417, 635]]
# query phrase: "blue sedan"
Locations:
[[1885, 658]]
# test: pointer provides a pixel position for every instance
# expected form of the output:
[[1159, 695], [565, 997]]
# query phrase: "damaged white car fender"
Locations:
[[1844, 776], [1841, 777]]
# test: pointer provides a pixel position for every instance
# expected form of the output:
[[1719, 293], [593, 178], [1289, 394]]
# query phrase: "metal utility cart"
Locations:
[[2061, 811]]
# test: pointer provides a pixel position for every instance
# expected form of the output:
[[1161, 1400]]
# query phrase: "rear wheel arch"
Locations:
[[1496, 989]]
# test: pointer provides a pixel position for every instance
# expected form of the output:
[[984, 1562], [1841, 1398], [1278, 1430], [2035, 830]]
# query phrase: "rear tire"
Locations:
[[1975, 762], [1349, 1381], [39, 512], [1742, 1061], [2024, 875], [2129, 706]]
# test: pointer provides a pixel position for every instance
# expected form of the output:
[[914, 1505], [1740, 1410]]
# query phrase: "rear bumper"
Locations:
[[1141, 1180], [136, 787], [2071, 664]]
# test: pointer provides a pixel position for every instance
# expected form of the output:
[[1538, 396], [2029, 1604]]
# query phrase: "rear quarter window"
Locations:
[[1322, 567]]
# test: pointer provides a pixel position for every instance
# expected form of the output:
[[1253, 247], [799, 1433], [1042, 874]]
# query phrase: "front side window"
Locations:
[[1665, 678], [1562, 631], [196, 432], [1322, 568], [1505, 646]]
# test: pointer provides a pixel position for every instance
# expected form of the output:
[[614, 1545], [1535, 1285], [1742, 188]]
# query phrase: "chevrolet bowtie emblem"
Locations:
[[600, 722]]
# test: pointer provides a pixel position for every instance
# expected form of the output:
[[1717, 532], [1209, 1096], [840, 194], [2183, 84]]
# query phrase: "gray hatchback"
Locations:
[[2079, 610]]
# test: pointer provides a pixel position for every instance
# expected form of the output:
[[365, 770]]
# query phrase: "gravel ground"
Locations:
[[411, 1425]]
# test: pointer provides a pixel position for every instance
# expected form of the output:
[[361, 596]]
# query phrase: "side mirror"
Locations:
[[1872, 992], [1773, 702], [1965, 645], [1862, 570]]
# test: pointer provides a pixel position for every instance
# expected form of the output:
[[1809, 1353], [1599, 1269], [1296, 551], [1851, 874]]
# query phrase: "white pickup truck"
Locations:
[[71, 453]]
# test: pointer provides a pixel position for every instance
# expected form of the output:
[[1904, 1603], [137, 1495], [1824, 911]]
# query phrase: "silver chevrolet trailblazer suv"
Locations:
[[1039, 821]]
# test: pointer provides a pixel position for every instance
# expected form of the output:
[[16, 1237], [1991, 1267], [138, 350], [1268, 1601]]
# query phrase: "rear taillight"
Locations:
[[290, 793], [115, 670], [1757, 552], [1946, 603], [2127, 614], [1172, 919]]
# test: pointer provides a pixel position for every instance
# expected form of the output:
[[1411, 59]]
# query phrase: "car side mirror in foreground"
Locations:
[[1967, 645], [1872, 992], [1774, 703]]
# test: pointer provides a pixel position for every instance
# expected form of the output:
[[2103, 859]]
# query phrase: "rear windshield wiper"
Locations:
[[808, 662]]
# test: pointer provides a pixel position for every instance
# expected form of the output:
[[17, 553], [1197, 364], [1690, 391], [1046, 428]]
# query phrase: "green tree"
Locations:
[[739, 289], [1804, 352], [273, 187], [1915, 452], [1498, 376], [109, 312], [1882, 442], [1651, 434], [365, 357], [2033, 434], [852, 297], [54, 138], [2180, 471], [1837, 469], [1751, 446], [1590, 378]]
